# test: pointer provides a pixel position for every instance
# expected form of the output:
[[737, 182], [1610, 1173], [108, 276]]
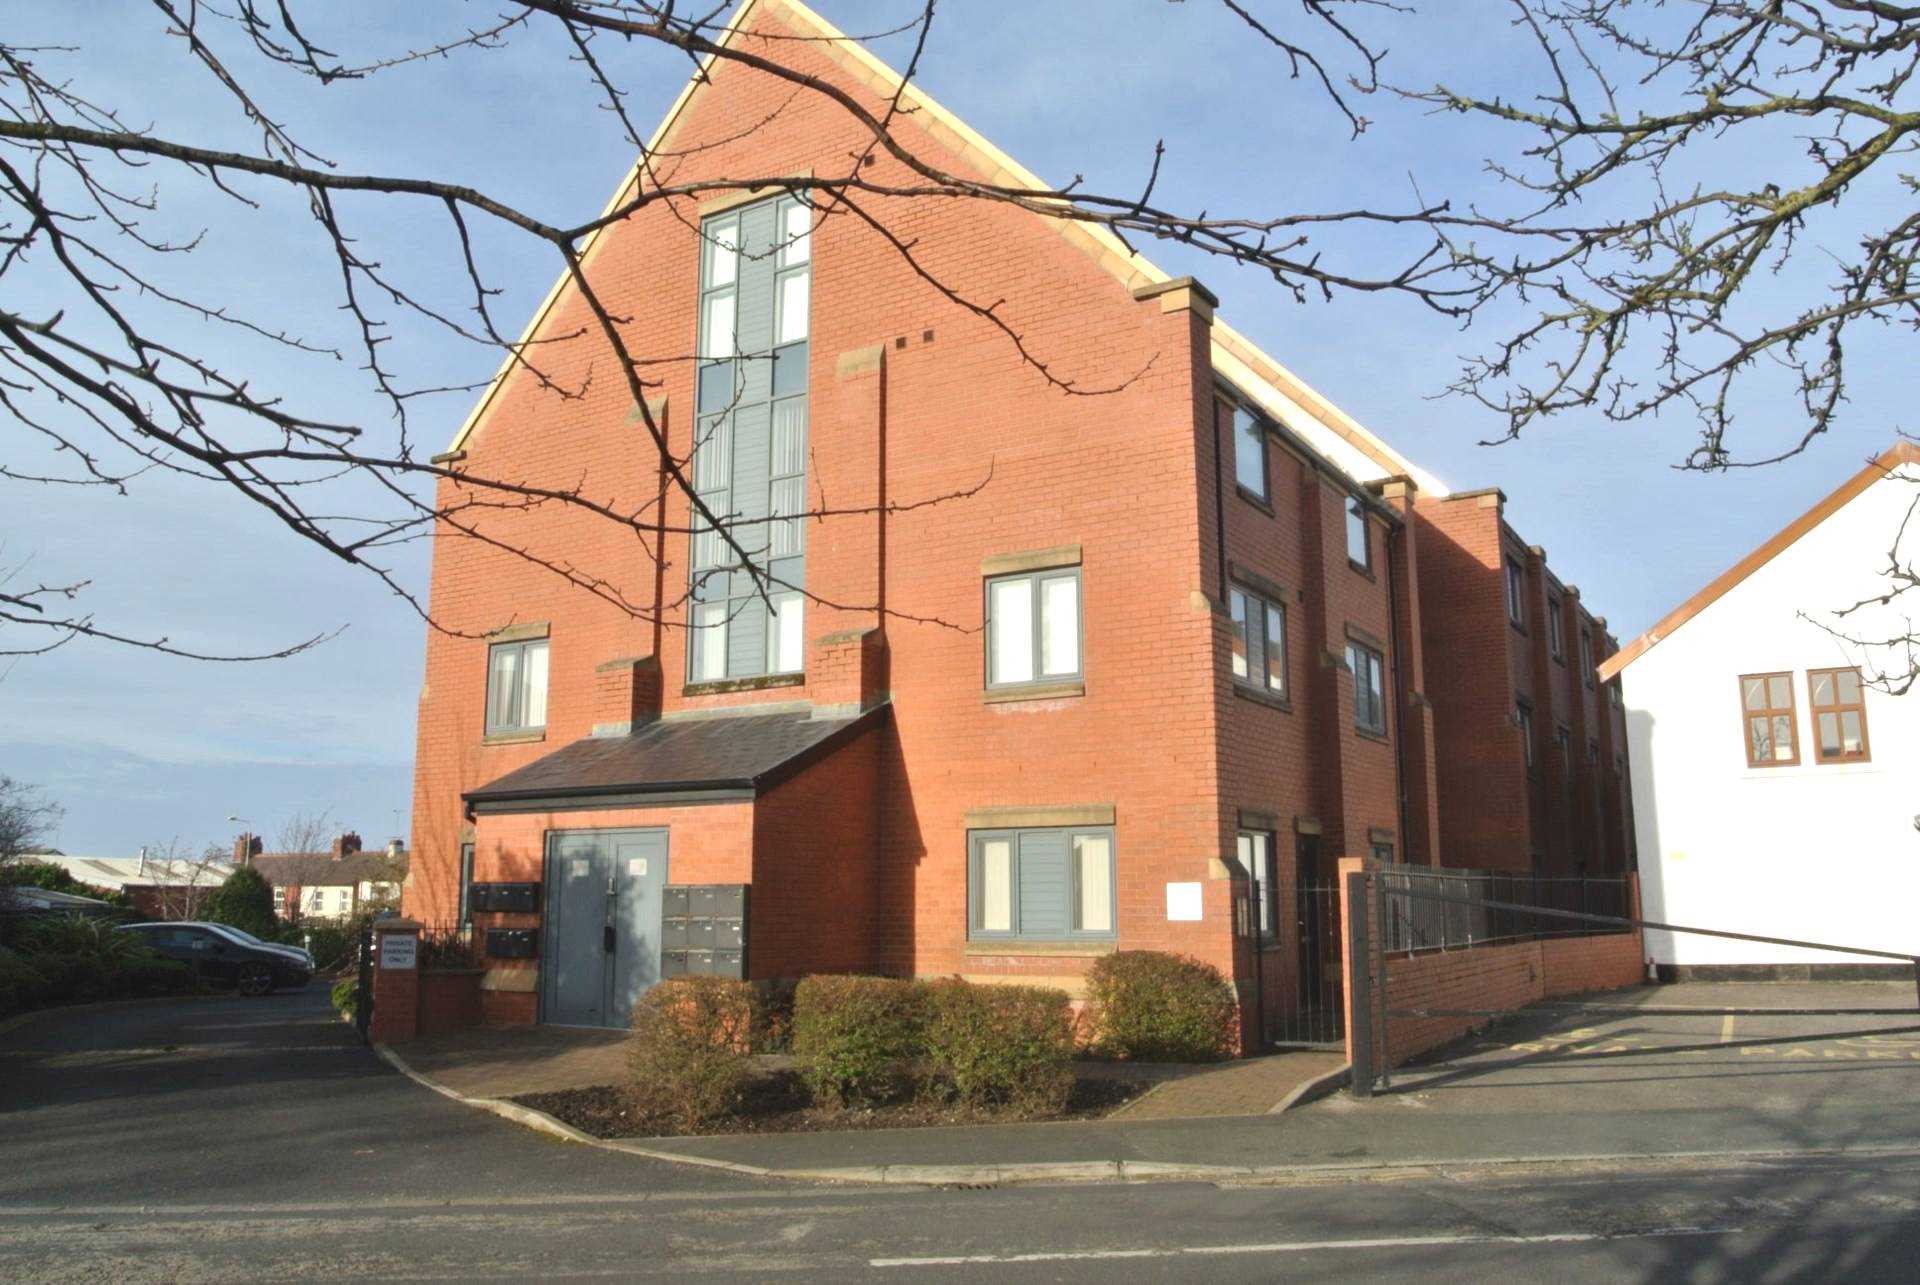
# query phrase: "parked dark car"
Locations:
[[225, 956]]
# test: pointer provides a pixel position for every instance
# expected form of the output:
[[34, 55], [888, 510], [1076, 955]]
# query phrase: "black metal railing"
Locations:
[[1445, 909], [1306, 1005]]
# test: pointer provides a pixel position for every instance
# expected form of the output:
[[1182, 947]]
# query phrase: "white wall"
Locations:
[[1812, 852]]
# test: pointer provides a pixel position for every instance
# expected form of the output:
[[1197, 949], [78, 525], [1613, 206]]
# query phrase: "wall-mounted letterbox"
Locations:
[[507, 898], [703, 930], [513, 943]]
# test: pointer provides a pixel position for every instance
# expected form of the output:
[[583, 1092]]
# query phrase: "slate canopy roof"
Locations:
[[710, 759]]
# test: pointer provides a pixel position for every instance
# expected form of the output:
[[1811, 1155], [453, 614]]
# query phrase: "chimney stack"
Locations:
[[346, 845], [245, 849]]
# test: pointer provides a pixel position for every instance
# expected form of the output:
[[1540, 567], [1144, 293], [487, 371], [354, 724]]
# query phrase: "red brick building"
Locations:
[[1062, 669]]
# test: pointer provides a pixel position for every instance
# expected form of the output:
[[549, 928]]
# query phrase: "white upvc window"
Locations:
[[1033, 628], [785, 638], [517, 686], [708, 643]]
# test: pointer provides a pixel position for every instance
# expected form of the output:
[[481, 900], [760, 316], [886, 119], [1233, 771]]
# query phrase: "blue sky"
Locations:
[[144, 749]]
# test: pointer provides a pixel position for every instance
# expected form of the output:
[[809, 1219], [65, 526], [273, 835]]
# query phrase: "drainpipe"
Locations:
[[1394, 533]]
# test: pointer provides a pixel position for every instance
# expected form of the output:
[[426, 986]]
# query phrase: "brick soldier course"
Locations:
[[962, 464]]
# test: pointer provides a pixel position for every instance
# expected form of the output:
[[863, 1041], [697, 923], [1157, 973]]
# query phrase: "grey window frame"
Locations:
[[519, 694], [976, 839], [1252, 432], [1376, 662], [466, 884], [1266, 892], [1382, 852], [1556, 640], [1254, 600], [1523, 719], [1357, 514], [1516, 573], [1035, 578], [1586, 655]]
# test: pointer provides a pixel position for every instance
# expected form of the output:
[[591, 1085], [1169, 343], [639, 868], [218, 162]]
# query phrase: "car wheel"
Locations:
[[255, 979]]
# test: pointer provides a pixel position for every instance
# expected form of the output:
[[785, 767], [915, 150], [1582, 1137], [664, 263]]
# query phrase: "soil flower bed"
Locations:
[[777, 1102]]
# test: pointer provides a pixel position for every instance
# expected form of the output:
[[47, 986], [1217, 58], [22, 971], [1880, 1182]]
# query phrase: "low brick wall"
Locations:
[[449, 1001], [1490, 980]]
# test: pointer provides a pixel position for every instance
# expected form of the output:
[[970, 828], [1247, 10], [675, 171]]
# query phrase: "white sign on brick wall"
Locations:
[[1183, 902], [399, 950]]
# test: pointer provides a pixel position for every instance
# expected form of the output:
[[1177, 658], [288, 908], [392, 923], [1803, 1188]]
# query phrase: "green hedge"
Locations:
[[854, 1037], [73, 959], [689, 1055], [1149, 1006], [1001, 1045]]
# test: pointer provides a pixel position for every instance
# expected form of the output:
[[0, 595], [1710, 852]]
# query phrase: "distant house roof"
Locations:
[[324, 870], [1886, 462], [724, 756], [138, 872]]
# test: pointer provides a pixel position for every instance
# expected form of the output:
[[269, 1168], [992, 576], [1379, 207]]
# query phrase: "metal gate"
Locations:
[[363, 983], [1305, 1000]]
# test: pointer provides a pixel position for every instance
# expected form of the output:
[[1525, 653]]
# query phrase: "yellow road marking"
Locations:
[[1726, 1029]]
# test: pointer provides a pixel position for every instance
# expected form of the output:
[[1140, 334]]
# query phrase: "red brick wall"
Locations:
[[815, 842]]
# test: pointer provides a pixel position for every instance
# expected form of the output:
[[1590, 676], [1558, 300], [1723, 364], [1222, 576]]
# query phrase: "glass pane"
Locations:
[[1249, 453], [1237, 609], [1010, 624], [713, 456], [717, 328], [504, 662], [1754, 692], [1060, 625], [793, 307], [1357, 547], [996, 886], [1782, 738], [1759, 746], [1820, 688], [789, 437], [723, 254], [1093, 862], [1779, 692], [788, 498], [1827, 727], [1849, 686], [1852, 741], [784, 636], [710, 641], [798, 232], [533, 708], [1276, 649]]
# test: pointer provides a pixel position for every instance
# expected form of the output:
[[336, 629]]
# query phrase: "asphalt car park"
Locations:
[[1765, 1046]]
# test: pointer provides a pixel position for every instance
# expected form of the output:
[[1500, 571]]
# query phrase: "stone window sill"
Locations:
[[1032, 692], [1255, 499], [514, 738], [759, 682], [1042, 949], [1361, 569], [1258, 697], [1366, 735]]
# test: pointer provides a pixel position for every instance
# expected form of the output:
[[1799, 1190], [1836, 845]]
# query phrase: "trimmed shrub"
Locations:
[[854, 1036], [156, 976], [690, 1048], [332, 945], [1150, 1006], [346, 995], [773, 1015], [1001, 1045]]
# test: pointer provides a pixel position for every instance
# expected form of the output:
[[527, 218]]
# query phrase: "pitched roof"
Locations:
[[324, 870], [734, 756], [1289, 399], [1886, 462], [138, 872]]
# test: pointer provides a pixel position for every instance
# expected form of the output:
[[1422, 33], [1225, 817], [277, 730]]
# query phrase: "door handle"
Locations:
[[606, 939]]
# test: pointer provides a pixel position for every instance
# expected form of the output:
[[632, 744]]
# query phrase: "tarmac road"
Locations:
[[226, 1139]]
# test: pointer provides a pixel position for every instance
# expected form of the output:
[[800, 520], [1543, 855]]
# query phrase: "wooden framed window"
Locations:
[[1767, 720], [1838, 701]]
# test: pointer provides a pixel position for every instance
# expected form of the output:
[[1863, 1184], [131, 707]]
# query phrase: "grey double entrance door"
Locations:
[[602, 942]]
